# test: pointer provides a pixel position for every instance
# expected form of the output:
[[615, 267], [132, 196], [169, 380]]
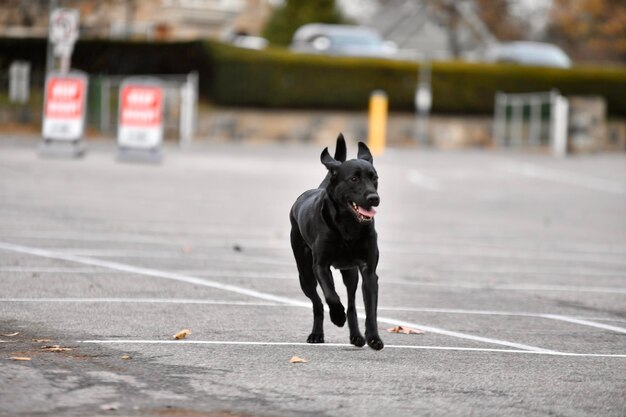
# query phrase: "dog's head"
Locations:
[[354, 184]]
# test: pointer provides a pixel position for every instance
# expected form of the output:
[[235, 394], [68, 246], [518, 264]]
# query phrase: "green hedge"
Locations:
[[278, 79]]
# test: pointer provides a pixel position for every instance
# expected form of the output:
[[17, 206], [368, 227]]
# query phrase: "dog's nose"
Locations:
[[373, 199]]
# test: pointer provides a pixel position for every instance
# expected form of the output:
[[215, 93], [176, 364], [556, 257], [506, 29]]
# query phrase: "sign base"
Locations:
[[147, 156], [62, 148]]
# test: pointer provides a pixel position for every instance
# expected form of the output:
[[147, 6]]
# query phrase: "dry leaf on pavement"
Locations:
[[110, 407], [126, 357], [55, 348], [405, 330], [182, 334], [19, 358], [296, 359]]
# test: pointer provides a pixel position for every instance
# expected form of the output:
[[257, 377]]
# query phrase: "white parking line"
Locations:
[[344, 345], [534, 171], [583, 321], [229, 273], [469, 251], [510, 287], [558, 317], [278, 240], [53, 270], [244, 291], [140, 301], [228, 257]]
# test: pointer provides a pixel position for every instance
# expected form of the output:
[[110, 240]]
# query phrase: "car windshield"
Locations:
[[356, 40]]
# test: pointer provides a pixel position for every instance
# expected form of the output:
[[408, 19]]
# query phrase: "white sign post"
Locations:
[[64, 112], [63, 34], [65, 96], [140, 122]]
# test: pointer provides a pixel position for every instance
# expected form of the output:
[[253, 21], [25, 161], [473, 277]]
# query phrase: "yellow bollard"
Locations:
[[377, 122]]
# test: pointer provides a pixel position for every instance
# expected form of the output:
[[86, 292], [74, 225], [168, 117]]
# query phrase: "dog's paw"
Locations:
[[375, 343], [338, 315], [315, 338], [358, 340]]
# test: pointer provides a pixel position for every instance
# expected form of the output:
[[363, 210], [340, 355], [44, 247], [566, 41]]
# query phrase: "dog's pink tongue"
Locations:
[[367, 213]]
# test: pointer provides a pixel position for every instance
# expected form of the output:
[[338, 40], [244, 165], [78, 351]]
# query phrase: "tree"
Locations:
[[286, 19], [590, 30], [497, 16]]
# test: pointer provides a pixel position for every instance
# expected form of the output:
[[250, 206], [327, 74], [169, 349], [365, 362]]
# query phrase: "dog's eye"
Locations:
[[354, 179]]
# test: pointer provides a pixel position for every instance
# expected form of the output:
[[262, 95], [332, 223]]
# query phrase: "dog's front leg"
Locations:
[[370, 299], [325, 279], [351, 280]]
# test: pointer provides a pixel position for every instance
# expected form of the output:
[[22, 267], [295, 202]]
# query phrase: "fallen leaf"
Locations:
[[19, 358], [110, 407], [11, 334], [125, 357], [405, 330], [182, 334], [42, 340], [55, 348], [296, 359]]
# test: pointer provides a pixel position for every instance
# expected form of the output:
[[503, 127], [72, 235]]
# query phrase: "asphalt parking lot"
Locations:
[[513, 264]]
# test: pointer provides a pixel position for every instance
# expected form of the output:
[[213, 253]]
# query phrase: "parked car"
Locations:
[[250, 42], [529, 53], [346, 40]]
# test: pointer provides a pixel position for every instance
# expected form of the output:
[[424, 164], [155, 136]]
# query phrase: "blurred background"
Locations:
[[456, 73]]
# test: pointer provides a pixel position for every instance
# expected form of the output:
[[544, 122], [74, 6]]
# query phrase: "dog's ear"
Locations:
[[340, 149], [329, 162], [364, 153]]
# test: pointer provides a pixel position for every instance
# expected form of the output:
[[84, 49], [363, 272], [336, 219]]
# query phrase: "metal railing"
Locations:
[[531, 119], [180, 112]]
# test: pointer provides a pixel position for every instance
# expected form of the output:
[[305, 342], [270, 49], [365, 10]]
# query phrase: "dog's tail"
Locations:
[[340, 155]]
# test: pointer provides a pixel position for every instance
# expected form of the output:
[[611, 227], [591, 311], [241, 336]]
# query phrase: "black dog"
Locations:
[[333, 225]]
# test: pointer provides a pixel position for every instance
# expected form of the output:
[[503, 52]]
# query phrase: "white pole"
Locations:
[[560, 107], [499, 119], [50, 47], [187, 110]]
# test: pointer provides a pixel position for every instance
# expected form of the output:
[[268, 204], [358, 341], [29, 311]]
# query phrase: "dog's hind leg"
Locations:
[[351, 280], [308, 283]]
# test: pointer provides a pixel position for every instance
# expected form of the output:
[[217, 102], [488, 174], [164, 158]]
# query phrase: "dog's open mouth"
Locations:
[[362, 214]]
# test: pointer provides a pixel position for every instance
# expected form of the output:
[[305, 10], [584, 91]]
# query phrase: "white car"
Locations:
[[529, 53], [346, 40]]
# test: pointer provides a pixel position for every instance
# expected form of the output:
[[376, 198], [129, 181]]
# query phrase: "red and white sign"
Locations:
[[140, 116], [64, 106]]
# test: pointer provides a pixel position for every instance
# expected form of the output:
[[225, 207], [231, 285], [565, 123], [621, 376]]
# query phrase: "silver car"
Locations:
[[346, 40], [529, 53]]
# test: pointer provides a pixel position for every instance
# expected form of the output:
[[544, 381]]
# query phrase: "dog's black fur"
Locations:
[[333, 225]]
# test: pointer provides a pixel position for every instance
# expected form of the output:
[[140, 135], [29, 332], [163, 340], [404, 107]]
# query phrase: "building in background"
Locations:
[[426, 29], [140, 19], [433, 29]]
